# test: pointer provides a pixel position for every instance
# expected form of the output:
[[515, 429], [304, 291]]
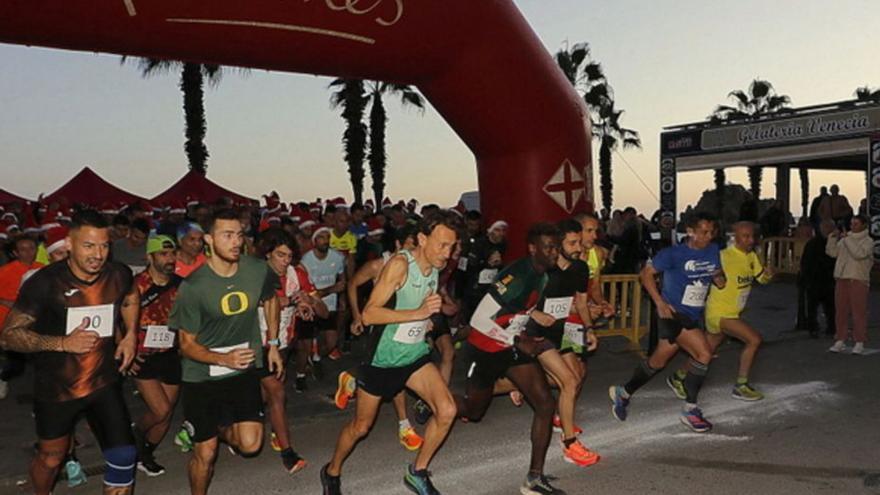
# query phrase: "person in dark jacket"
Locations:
[[817, 277]]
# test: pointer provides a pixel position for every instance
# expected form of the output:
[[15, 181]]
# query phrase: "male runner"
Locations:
[[742, 268], [497, 349], [157, 368], [327, 267], [215, 315], [78, 318], [565, 293], [688, 270], [400, 305], [595, 256], [405, 238]]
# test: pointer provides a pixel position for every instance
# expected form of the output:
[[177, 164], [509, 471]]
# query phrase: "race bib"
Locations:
[[742, 298], [412, 332], [507, 335], [558, 307], [573, 333], [695, 295], [462, 263], [99, 319], [216, 369], [158, 337], [487, 276]]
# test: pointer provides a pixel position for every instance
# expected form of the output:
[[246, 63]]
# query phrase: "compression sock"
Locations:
[[694, 380], [642, 375]]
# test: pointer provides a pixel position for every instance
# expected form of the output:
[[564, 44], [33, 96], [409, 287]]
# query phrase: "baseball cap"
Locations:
[[158, 243]]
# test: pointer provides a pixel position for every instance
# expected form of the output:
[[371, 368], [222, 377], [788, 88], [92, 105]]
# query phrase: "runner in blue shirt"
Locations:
[[688, 270]]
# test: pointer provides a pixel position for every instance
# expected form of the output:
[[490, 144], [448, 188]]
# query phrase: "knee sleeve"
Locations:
[[120, 465], [698, 368]]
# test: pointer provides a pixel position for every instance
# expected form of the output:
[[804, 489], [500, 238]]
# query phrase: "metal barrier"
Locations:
[[783, 254], [624, 292]]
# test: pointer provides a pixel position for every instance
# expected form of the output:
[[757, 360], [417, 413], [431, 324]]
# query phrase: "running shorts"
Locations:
[[212, 404]]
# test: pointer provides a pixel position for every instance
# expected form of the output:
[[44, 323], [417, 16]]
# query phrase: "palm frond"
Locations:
[[760, 88]]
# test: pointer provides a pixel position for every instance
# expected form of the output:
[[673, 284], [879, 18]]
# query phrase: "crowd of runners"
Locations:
[[216, 306]]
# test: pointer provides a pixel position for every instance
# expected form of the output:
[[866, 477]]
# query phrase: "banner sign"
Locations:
[[874, 193]]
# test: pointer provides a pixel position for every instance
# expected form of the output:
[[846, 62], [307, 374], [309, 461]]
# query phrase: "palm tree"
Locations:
[[192, 81], [351, 96], [588, 78], [378, 158], [865, 93], [804, 173], [720, 179], [760, 99]]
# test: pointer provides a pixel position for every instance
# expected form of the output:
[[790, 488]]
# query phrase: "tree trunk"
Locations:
[[720, 179], [378, 157], [354, 139], [605, 180], [805, 191], [191, 83], [755, 175]]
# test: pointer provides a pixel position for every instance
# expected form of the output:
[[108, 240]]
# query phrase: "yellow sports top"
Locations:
[[741, 270]]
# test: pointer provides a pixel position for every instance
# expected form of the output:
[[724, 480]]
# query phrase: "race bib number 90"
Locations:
[[96, 319], [412, 332]]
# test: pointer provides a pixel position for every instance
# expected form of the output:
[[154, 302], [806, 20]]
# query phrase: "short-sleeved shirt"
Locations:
[[183, 270], [132, 256], [558, 297], [516, 289], [345, 244], [325, 272], [11, 276], [221, 312], [47, 296], [742, 270], [156, 303], [687, 276]]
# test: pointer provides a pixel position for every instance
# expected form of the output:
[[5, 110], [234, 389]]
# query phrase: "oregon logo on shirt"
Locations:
[[234, 303]]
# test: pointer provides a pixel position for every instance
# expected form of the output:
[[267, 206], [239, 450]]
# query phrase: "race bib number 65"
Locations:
[[411, 332], [96, 318]]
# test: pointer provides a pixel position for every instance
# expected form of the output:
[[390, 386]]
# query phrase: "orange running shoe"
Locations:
[[345, 389], [409, 439], [579, 455], [335, 355], [274, 443], [557, 426]]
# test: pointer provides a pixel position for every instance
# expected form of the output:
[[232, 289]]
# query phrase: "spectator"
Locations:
[[815, 208], [773, 222], [852, 270], [817, 279], [836, 207]]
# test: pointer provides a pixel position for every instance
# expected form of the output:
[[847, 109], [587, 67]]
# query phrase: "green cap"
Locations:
[[158, 243]]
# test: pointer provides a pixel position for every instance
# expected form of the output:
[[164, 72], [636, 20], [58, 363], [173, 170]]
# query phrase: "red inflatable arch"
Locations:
[[477, 61]]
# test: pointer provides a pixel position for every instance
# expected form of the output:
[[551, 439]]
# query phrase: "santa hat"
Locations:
[[65, 215], [295, 213], [190, 202], [9, 216], [498, 224], [339, 202], [315, 207], [374, 227], [307, 220], [177, 208], [386, 203], [108, 209], [30, 222], [56, 238], [368, 204], [320, 230]]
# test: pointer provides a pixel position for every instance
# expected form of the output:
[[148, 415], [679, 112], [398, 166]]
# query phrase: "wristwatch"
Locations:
[[275, 342]]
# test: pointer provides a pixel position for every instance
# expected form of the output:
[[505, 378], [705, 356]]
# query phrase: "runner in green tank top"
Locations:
[[400, 306]]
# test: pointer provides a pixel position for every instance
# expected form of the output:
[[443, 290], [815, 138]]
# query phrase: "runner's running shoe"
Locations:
[[619, 402], [183, 439], [301, 385], [410, 439], [539, 485], [677, 386], [293, 463], [579, 455], [274, 443], [421, 411], [557, 426], [150, 467], [745, 391], [346, 386], [419, 482], [332, 485], [335, 355], [693, 419], [75, 474]]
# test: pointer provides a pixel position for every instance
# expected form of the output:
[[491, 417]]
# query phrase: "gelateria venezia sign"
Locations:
[[809, 128]]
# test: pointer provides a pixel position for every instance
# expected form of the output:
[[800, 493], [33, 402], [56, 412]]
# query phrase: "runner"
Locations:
[[70, 315], [400, 305], [298, 299], [191, 254], [327, 268], [215, 315], [742, 268], [497, 348], [564, 295], [595, 256], [157, 367], [688, 270], [406, 239]]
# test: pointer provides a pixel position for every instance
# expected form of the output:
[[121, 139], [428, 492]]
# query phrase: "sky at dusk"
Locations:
[[669, 63]]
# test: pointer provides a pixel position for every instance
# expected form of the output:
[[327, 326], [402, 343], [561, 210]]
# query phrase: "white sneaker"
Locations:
[[859, 348], [838, 346], [4, 389]]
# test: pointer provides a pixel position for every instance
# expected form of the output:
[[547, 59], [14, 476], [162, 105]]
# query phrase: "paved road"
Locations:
[[817, 432]]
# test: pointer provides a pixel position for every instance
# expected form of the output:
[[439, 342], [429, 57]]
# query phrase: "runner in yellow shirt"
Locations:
[[723, 309]]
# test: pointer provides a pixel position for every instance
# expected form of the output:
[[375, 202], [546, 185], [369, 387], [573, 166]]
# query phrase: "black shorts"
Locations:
[[162, 366], [264, 371], [306, 330], [104, 410], [331, 322], [387, 382], [440, 326], [485, 368], [212, 404], [670, 328]]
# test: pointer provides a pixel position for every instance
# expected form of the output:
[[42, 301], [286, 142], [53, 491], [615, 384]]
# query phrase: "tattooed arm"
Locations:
[[17, 336]]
